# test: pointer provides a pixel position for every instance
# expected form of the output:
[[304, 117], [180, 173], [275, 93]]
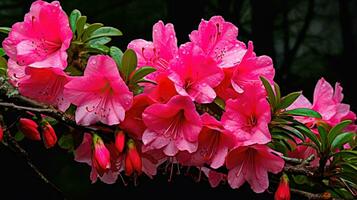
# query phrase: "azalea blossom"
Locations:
[[252, 164], [101, 94], [194, 74], [213, 144], [160, 51], [251, 68], [248, 115], [45, 85], [214, 177], [218, 40], [42, 39], [326, 101], [173, 126]]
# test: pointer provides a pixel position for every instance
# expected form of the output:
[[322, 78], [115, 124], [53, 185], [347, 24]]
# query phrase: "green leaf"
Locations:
[[5, 30], [104, 32], [303, 112], [294, 132], [287, 100], [146, 81], [277, 92], [308, 133], [300, 179], [342, 139], [346, 153], [98, 48], [323, 135], [66, 142], [117, 55], [101, 40], [2, 52], [75, 14], [3, 66], [80, 25], [337, 130], [129, 63], [271, 95], [220, 103], [141, 73], [19, 136], [90, 29]]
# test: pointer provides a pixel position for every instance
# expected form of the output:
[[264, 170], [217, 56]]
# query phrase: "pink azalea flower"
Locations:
[[83, 154], [252, 164], [218, 40], [328, 102], [214, 178], [251, 68], [194, 74], [101, 94], [173, 126], [163, 91], [45, 85], [160, 51], [42, 39], [213, 144], [15, 72], [247, 117], [225, 89], [133, 123]]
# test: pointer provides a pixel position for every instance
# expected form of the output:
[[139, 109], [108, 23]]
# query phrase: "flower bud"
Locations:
[[132, 159], [1, 133], [49, 135], [100, 155], [119, 141], [29, 128], [283, 191]]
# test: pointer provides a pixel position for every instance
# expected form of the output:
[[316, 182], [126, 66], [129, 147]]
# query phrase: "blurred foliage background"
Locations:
[[307, 39]]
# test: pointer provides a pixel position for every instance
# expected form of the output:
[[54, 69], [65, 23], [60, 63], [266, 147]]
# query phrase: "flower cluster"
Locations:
[[204, 105]]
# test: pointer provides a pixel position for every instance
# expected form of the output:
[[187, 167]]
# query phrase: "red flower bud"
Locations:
[[100, 155], [132, 159], [1, 133], [49, 135], [283, 191], [29, 128], [119, 141]]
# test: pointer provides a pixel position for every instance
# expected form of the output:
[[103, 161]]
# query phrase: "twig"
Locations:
[[300, 170], [25, 155], [311, 196]]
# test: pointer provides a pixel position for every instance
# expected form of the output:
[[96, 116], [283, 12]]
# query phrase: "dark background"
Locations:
[[307, 39]]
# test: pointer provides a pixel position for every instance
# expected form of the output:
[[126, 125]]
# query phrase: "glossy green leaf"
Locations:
[[308, 133], [5, 30], [3, 66], [80, 25], [346, 153], [270, 92], [323, 136], [75, 14], [338, 129], [117, 55], [90, 29], [141, 73], [294, 132], [104, 32], [101, 40], [287, 100], [129, 63], [303, 112], [66, 142], [98, 48], [277, 93], [342, 139], [2, 52]]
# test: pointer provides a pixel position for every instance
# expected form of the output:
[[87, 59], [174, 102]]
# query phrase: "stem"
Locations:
[[311, 196]]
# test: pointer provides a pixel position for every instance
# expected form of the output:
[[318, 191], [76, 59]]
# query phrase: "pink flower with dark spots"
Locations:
[[252, 164], [173, 126], [218, 40], [248, 116], [42, 39], [251, 68], [194, 74], [45, 85], [101, 94], [160, 51]]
